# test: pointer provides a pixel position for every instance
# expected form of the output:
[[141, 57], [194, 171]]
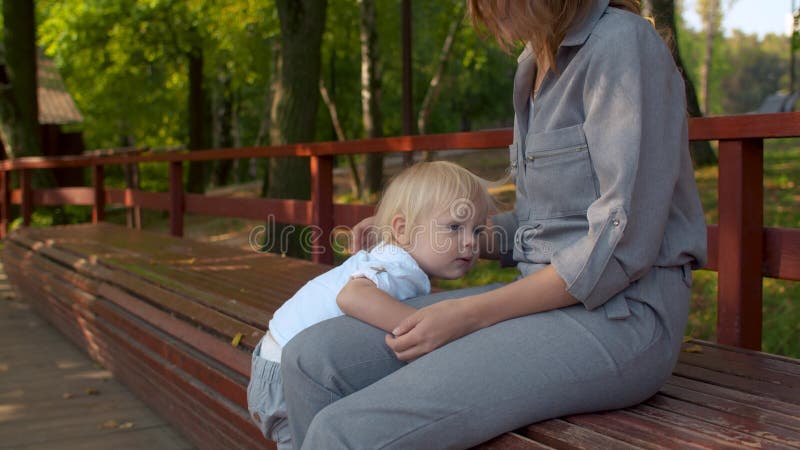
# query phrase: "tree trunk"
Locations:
[[265, 127], [19, 108], [196, 179], [224, 118], [435, 85], [408, 76], [711, 14], [337, 127], [371, 116], [664, 15], [294, 107]]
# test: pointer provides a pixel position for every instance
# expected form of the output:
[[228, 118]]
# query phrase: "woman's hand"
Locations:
[[364, 235], [430, 328]]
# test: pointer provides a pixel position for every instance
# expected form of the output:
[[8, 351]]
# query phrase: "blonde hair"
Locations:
[[431, 188], [545, 22]]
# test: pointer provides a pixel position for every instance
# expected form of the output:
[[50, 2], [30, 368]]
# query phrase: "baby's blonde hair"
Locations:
[[432, 188]]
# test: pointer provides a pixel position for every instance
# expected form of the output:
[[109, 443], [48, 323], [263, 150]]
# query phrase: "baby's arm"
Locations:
[[361, 298]]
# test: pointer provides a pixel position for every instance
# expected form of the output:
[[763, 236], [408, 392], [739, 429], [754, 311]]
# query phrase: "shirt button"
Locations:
[[615, 222]]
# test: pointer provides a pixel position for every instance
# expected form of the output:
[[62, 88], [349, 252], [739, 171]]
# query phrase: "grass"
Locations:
[[781, 307]]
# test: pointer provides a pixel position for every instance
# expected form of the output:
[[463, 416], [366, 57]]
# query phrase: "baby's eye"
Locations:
[[454, 227], [479, 229]]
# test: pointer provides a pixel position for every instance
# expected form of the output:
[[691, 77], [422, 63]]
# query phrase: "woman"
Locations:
[[606, 229]]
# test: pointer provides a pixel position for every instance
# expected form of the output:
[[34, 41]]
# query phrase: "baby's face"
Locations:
[[445, 245]]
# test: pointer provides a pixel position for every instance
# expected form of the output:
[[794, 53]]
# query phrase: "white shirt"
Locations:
[[391, 268]]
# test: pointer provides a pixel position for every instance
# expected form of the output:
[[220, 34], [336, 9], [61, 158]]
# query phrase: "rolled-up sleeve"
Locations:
[[636, 130]]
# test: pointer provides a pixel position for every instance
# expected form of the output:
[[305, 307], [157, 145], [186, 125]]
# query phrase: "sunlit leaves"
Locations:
[[125, 63]]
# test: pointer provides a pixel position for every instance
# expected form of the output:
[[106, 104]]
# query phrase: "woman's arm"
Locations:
[[361, 298], [434, 326]]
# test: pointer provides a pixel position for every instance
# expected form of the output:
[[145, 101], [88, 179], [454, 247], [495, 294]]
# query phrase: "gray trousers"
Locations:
[[344, 388]]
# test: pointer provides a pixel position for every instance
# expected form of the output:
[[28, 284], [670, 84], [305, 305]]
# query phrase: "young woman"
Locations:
[[606, 230]]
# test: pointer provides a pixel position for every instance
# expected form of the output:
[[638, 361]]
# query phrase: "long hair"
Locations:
[[542, 23]]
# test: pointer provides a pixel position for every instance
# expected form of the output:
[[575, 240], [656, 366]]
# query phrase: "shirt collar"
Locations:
[[579, 32]]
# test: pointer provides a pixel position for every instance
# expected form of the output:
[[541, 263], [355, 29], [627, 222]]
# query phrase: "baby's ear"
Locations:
[[399, 229]]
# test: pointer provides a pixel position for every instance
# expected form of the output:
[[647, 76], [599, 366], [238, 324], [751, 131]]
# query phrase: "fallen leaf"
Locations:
[[110, 424], [693, 349], [3, 367], [126, 426], [92, 391], [66, 396], [236, 339], [687, 339]]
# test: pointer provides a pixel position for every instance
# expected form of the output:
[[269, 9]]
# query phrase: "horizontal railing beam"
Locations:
[[745, 126], [749, 126]]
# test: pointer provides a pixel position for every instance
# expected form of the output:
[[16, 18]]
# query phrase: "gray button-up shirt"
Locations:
[[605, 185]]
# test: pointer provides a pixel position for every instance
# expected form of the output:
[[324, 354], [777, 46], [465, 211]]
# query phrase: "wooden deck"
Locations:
[[53, 396]]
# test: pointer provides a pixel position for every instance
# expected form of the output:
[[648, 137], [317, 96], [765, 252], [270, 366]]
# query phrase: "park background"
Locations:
[[166, 75]]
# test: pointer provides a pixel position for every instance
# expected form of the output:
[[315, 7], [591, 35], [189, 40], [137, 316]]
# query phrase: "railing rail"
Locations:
[[740, 248]]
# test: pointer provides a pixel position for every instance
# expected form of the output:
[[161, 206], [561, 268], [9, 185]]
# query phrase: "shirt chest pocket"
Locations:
[[558, 173]]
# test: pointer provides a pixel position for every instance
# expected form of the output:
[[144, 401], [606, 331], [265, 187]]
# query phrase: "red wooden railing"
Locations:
[[740, 248]]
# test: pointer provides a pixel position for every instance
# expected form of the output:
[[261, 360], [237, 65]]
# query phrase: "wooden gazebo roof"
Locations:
[[56, 106]]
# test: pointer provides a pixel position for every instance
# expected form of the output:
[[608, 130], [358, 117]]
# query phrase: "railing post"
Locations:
[[322, 207], [741, 211], [99, 207], [5, 198], [176, 203], [27, 196]]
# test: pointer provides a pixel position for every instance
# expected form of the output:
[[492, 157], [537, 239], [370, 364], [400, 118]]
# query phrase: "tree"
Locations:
[[665, 19], [197, 115], [296, 100], [19, 107], [710, 12], [760, 66], [371, 116], [435, 85]]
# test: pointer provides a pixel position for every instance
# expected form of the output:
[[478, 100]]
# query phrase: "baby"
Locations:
[[428, 222]]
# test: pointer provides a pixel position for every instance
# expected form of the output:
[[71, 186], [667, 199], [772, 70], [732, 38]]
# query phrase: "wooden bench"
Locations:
[[162, 313]]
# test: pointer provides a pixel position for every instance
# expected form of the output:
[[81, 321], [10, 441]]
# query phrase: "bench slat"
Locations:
[[559, 433], [734, 395], [746, 410], [646, 432], [754, 427], [751, 365], [757, 387]]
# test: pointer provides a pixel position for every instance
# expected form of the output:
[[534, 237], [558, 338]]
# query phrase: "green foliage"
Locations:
[[745, 68], [125, 63]]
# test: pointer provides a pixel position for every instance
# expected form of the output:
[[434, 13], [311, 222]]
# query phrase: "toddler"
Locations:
[[428, 222]]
